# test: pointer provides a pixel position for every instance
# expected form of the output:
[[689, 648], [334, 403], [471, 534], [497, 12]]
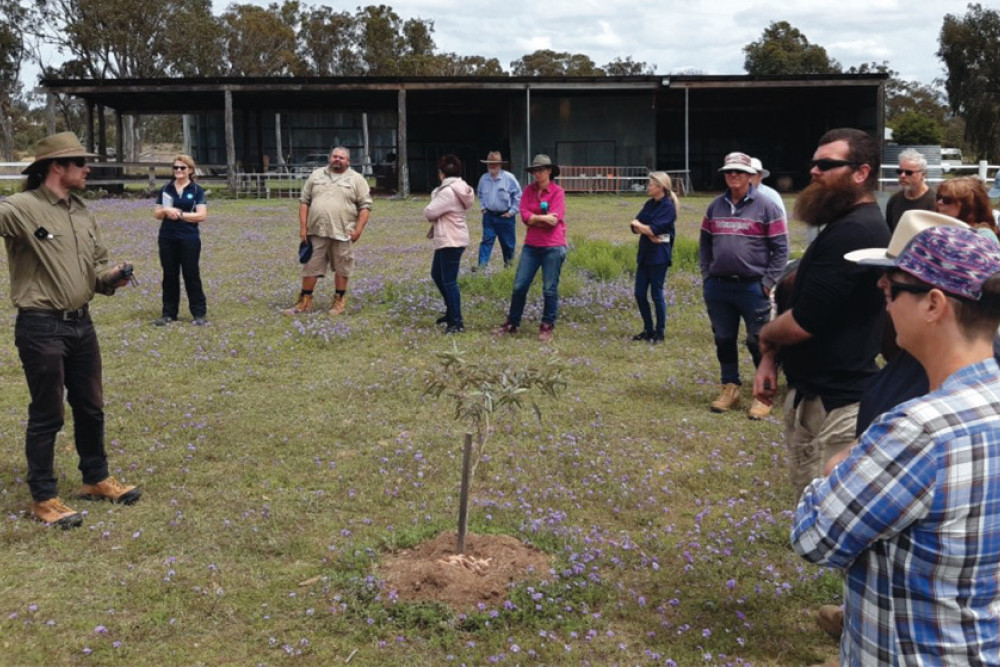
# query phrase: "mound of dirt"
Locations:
[[433, 571]]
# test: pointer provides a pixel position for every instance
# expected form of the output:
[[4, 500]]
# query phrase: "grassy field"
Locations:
[[282, 458]]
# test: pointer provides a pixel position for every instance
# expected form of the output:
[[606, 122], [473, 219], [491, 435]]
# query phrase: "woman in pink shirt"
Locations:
[[543, 211], [447, 213]]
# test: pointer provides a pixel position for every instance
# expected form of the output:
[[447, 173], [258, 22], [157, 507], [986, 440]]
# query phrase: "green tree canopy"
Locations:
[[261, 41], [915, 128], [545, 62], [13, 25], [783, 49], [970, 49], [628, 67]]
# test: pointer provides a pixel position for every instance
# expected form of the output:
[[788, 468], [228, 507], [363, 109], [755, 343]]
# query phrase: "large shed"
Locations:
[[400, 125]]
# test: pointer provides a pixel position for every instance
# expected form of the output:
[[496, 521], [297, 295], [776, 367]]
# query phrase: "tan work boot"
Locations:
[[830, 619], [54, 512], [303, 305], [111, 489], [729, 397], [758, 410], [339, 304]]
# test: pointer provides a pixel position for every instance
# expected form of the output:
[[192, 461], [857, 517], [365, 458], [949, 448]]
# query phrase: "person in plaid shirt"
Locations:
[[912, 512]]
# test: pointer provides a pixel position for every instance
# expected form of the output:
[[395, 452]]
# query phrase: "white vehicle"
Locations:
[[951, 158]]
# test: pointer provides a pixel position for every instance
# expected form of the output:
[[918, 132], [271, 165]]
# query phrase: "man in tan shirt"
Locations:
[[333, 211], [57, 262]]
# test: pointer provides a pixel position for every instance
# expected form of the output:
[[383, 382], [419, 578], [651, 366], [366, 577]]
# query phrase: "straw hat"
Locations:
[[494, 158], [62, 145]]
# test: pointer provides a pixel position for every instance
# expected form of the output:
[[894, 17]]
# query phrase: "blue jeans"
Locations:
[[727, 302], [180, 256], [650, 277], [60, 356], [532, 257], [497, 226], [444, 271]]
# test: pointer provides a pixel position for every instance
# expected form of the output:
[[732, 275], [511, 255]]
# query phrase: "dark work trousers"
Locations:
[[61, 357], [444, 272], [180, 256]]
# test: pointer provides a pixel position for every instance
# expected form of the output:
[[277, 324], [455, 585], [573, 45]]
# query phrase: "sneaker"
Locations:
[[454, 329], [830, 619], [505, 328], [199, 321], [163, 321], [545, 332], [758, 410], [303, 305], [111, 489], [643, 335], [54, 512], [339, 304], [441, 320], [729, 397]]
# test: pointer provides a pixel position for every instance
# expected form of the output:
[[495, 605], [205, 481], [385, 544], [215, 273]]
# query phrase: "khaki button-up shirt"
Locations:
[[55, 254], [334, 202]]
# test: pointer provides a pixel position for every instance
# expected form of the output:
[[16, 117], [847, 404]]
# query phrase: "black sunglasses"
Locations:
[[180, 167], [78, 161], [908, 172], [945, 199], [826, 164], [727, 172], [895, 289]]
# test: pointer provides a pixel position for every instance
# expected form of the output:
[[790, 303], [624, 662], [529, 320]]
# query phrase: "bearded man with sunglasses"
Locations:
[[828, 339], [57, 261], [914, 193]]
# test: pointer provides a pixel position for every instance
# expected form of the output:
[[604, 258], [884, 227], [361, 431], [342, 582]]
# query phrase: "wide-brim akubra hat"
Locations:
[[542, 161], [57, 146], [494, 158]]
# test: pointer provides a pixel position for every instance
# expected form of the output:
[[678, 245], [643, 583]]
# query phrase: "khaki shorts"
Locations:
[[329, 252], [813, 435]]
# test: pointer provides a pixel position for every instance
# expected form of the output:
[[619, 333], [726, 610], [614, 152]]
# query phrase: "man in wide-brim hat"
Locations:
[[57, 261], [499, 198]]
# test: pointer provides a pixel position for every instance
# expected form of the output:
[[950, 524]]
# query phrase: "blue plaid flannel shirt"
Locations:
[[913, 517]]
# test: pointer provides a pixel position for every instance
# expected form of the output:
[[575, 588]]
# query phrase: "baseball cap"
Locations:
[[957, 261]]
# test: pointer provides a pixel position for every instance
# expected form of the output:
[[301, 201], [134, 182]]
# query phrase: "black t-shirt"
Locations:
[[899, 204], [839, 303]]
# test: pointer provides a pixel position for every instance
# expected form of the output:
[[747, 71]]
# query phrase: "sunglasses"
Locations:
[[180, 167], [946, 200], [730, 172], [908, 172], [77, 161], [896, 288], [826, 164]]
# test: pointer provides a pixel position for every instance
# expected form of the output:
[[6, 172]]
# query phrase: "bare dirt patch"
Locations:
[[432, 571]]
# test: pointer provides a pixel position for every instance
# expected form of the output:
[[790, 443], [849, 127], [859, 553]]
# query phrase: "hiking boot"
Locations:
[[545, 332], [455, 328], [111, 489], [163, 321], [729, 397], [303, 305], [54, 512], [758, 410], [339, 304], [830, 619], [505, 328], [642, 336]]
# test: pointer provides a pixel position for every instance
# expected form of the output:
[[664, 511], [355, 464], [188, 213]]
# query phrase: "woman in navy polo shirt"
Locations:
[[181, 207], [655, 223]]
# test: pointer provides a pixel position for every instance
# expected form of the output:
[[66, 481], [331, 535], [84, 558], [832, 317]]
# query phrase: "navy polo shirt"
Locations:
[[186, 201]]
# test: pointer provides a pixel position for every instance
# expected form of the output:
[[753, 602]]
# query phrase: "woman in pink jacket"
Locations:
[[447, 213]]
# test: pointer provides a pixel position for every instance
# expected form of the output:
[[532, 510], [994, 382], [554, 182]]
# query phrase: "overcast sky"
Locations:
[[675, 35]]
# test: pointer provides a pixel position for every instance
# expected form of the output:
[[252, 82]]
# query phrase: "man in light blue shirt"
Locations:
[[499, 199], [766, 190]]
